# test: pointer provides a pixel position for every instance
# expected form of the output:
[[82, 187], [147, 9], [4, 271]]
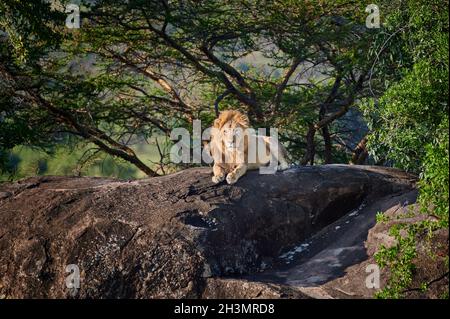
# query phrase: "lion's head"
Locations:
[[229, 128]]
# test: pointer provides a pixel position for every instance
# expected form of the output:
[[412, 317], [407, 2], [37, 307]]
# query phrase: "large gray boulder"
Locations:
[[172, 236]]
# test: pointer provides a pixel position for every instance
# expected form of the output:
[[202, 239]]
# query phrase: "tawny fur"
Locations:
[[231, 170]]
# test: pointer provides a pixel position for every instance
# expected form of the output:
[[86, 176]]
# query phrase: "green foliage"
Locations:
[[67, 159], [409, 125], [434, 181], [381, 217], [408, 116], [30, 26], [399, 260], [139, 68]]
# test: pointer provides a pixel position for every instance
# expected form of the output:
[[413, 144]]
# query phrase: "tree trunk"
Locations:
[[327, 154], [310, 146], [326, 136]]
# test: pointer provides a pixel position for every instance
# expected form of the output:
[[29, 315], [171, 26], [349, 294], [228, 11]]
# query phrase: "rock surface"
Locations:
[[178, 236], [430, 262]]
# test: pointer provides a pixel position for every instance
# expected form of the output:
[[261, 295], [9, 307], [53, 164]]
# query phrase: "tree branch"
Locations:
[[95, 135], [282, 86]]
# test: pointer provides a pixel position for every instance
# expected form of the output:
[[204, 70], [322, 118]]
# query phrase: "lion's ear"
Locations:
[[244, 120], [216, 123]]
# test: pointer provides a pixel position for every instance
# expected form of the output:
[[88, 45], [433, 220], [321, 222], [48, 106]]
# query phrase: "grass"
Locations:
[[65, 160]]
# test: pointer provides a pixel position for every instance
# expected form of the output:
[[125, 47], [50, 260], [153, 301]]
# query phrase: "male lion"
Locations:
[[230, 144]]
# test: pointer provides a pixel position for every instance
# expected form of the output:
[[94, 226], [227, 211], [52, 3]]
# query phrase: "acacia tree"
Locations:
[[160, 64]]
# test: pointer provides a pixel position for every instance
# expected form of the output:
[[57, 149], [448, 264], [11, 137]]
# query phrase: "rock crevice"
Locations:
[[171, 236]]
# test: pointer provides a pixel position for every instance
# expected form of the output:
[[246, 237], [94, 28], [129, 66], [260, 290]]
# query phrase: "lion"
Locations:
[[231, 138]]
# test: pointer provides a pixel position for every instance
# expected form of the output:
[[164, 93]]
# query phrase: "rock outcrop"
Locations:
[[177, 236]]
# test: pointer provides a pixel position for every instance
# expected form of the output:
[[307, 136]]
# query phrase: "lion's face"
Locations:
[[229, 131], [232, 134]]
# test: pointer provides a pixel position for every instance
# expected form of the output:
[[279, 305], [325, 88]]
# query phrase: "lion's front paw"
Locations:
[[231, 178], [216, 179]]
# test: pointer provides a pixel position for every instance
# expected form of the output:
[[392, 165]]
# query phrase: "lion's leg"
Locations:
[[236, 173], [218, 174]]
